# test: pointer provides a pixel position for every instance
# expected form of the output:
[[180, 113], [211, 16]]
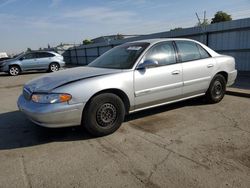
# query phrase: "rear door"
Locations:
[[44, 59], [197, 65], [155, 85]]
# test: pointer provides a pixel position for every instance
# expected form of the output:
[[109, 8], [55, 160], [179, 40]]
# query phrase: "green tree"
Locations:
[[29, 50], [87, 41], [221, 16]]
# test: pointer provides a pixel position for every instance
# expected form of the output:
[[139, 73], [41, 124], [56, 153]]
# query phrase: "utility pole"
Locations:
[[198, 18], [202, 26], [204, 17]]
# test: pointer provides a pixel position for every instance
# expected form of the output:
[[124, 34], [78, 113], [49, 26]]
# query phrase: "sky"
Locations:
[[37, 23]]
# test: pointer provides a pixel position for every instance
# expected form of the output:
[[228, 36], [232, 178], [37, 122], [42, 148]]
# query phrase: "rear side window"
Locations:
[[188, 50], [163, 53], [44, 55]]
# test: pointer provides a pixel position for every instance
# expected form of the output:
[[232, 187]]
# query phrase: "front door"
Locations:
[[160, 84], [28, 61]]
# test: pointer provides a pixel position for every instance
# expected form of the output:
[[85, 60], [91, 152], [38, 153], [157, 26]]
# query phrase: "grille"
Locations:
[[27, 94]]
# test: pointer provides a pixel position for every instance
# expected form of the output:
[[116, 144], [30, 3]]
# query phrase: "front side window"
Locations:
[[29, 56], [163, 53], [121, 57], [188, 50]]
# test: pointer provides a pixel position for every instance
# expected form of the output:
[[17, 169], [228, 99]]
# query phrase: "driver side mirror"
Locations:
[[148, 63], [22, 58]]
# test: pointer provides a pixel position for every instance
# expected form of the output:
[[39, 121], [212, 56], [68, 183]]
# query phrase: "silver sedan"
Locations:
[[128, 78]]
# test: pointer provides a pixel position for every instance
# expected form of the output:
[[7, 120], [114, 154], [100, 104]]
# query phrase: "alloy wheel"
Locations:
[[14, 71], [54, 67]]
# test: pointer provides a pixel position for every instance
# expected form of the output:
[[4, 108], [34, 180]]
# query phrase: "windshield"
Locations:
[[121, 57], [19, 55]]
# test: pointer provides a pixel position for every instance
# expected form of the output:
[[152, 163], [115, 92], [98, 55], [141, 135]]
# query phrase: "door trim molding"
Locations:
[[164, 103], [195, 81], [158, 89]]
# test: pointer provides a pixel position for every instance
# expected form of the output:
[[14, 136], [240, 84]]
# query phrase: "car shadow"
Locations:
[[16, 131], [3, 74]]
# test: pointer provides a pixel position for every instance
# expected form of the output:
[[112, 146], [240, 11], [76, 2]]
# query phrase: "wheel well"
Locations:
[[117, 92], [56, 63], [224, 74], [15, 66]]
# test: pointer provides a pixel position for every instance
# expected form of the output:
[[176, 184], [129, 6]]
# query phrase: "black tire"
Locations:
[[53, 67], [217, 89], [14, 70], [104, 114]]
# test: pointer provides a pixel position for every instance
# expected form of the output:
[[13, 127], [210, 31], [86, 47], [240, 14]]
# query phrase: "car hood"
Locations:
[[6, 61], [51, 81]]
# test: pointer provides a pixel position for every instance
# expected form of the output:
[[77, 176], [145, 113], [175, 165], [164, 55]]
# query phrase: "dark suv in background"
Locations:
[[4, 58]]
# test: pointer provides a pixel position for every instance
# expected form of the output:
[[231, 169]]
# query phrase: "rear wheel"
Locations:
[[104, 114], [53, 67], [14, 70], [217, 89]]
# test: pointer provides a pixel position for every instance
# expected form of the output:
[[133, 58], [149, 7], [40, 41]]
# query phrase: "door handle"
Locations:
[[210, 65], [176, 72]]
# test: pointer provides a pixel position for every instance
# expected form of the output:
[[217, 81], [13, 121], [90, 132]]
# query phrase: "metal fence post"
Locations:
[[76, 56], [207, 38], [86, 57], [98, 51], [70, 57]]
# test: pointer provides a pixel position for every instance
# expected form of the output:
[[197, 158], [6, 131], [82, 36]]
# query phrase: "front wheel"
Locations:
[[14, 70], [104, 114], [217, 89]]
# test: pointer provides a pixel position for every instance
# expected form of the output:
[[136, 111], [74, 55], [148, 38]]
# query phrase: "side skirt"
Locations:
[[169, 102]]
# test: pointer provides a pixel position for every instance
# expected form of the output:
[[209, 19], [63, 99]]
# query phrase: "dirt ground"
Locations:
[[187, 144]]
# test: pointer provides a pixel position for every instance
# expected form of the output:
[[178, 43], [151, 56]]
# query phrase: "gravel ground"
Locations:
[[187, 144]]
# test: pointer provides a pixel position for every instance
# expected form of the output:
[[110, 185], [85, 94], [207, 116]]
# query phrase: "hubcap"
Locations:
[[14, 71], [217, 89], [106, 115], [54, 67]]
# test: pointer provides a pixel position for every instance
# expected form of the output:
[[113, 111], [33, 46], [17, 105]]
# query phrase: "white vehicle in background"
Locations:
[[3, 55]]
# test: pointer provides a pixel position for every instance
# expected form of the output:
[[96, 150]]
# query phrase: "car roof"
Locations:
[[156, 40], [43, 51]]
